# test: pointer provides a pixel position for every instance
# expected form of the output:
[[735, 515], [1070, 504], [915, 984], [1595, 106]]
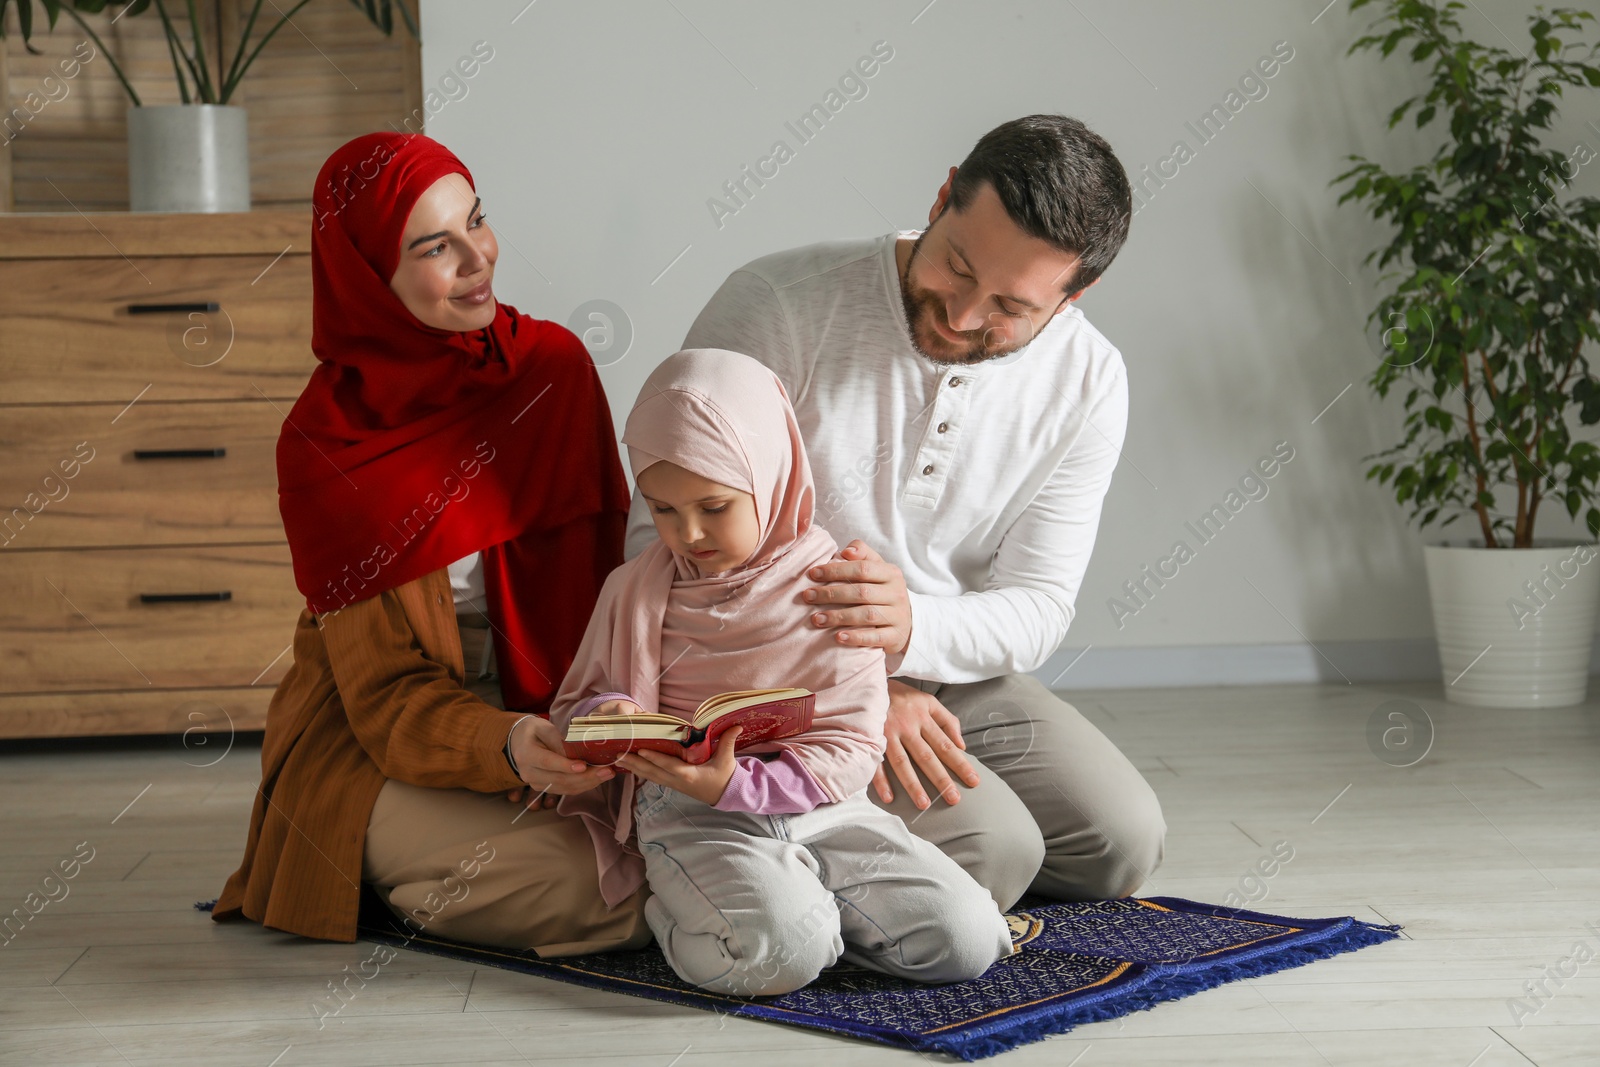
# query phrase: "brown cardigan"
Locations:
[[376, 692]]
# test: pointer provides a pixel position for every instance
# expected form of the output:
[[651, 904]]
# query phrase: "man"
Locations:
[[963, 420]]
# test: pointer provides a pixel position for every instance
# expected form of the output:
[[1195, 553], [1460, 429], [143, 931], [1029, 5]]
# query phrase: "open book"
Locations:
[[765, 714]]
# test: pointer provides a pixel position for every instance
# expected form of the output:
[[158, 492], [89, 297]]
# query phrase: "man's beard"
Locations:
[[923, 308]]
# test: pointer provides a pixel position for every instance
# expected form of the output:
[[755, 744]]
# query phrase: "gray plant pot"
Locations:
[[188, 157]]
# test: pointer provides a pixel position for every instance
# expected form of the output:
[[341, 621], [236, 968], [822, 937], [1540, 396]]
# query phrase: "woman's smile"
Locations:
[[481, 293]]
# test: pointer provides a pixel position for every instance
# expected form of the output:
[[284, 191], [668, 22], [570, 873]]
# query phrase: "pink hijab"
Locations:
[[670, 636]]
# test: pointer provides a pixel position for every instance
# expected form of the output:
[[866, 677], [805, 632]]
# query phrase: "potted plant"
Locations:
[[1494, 298], [195, 155]]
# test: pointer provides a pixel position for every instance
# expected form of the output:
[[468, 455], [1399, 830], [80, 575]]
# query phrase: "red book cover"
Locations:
[[765, 715]]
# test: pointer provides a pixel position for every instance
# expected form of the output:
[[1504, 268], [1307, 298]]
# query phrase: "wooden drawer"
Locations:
[[118, 498], [207, 719], [96, 235], [74, 621], [69, 336]]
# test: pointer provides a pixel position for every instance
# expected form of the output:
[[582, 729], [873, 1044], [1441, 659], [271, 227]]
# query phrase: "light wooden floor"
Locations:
[[1486, 851]]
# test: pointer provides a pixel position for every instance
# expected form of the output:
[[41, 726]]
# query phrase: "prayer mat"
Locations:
[[1075, 963]]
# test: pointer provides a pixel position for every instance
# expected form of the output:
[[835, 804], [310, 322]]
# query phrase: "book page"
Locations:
[[726, 703], [643, 717], [627, 731]]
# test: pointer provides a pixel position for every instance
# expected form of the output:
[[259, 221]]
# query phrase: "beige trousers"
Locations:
[[476, 867], [1059, 809]]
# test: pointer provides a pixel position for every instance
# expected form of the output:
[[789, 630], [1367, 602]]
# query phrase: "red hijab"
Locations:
[[412, 446]]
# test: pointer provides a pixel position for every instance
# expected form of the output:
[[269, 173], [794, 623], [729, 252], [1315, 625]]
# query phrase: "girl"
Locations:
[[766, 866]]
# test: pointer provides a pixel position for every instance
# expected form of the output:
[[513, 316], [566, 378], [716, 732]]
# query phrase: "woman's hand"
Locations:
[[549, 771], [706, 782], [618, 707]]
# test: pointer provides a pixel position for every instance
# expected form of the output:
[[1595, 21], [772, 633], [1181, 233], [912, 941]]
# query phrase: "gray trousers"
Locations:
[[758, 905], [1058, 809]]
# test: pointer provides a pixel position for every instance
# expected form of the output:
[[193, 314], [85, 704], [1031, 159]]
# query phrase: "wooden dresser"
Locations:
[[147, 363]]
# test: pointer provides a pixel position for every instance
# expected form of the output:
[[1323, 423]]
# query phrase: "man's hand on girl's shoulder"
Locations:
[[864, 597]]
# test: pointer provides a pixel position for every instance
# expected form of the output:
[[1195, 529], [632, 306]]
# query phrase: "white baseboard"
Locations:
[[1400, 660]]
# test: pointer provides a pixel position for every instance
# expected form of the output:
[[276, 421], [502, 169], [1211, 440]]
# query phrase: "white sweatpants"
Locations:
[[758, 905]]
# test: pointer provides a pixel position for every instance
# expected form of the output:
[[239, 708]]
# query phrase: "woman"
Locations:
[[453, 500]]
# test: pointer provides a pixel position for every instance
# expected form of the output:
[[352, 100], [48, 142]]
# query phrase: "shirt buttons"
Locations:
[[928, 469], [943, 426], [955, 382]]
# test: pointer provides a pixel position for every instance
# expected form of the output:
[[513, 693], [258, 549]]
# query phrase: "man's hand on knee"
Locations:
[[921, 732]]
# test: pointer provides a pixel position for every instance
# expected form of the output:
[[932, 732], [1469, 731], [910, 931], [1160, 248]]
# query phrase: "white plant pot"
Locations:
[[1515, 625], [188, 158]]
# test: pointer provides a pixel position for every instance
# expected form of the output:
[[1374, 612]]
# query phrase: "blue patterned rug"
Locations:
[[1079, 963]]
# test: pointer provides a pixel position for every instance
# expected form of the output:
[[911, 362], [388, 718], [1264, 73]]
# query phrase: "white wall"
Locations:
[[599, 131]]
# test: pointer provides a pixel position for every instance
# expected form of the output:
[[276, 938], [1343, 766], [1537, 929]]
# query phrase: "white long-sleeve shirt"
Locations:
[[983, 483]]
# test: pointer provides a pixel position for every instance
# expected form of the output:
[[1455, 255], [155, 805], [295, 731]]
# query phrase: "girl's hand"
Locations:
[[706, 781], [618, 707], [549, 772]]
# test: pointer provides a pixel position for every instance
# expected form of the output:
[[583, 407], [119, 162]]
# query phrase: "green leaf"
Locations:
[[24, 22]]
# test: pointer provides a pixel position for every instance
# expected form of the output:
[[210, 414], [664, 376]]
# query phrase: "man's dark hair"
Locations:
[[1060, 182]]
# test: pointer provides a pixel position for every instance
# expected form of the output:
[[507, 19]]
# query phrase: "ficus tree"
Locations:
[[1495, 288]]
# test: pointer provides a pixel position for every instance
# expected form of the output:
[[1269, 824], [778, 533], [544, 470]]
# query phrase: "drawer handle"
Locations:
[[185, 598], [179, 453], [174, 309]]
